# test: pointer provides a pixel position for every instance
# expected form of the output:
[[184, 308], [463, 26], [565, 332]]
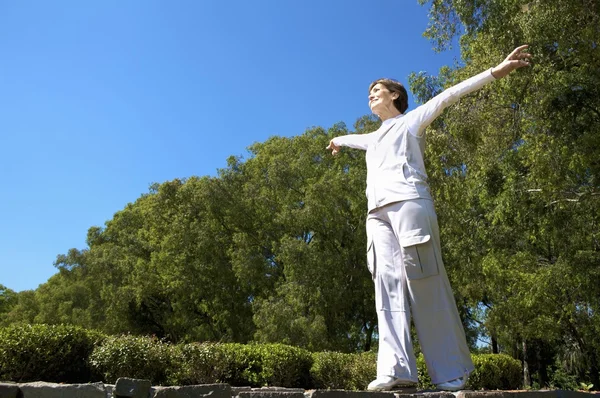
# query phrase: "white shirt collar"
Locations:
[[391, 120]]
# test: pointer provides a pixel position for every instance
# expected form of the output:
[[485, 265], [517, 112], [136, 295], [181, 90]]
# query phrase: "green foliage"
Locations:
[[265, 365], [231, 258], [284, 365], [254, 365], [495, 372], [56, 353], [199, 363], [563, 381], [335, 370], [364, 369], [132, 356], [8, 299], [71, 354], [424, 379], [514, 170]]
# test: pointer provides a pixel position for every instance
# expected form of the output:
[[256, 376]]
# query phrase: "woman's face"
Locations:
[[381, 99]]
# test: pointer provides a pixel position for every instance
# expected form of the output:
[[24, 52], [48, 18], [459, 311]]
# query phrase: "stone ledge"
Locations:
[[196, 391], [408, 392], [41, 389], [126, 387], [9, 390], [135, 388], [526, 394]]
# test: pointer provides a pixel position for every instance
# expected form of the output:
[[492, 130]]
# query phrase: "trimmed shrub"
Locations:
[[495, 372], [283, 365], [335, 370], [332, 370], [198, 363], [253, 365], [492, 372], [260, 365], [70, 354], [239, 365], [364, 370], [133, 356], [53, 353]]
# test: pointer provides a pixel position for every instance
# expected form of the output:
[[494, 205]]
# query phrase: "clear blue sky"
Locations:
[[99, 99]]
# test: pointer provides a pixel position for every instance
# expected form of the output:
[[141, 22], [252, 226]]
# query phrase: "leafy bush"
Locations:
[[265, 365], [242, 365], [54, 353], [197, 363], [283, 365], [73, 355], [424, 379], [335, 370], [332, 370], [495, 372], [133, 356], [562, 380], [364, 370]]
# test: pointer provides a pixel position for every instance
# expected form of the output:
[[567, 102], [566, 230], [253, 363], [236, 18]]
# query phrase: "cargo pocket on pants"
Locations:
[[418, 254]]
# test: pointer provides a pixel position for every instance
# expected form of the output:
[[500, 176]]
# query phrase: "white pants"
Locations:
[[405, 259]]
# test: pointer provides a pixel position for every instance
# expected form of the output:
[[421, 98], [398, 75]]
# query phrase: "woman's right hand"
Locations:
[[334, 148]]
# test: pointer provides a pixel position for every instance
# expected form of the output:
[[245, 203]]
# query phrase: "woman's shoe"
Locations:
[[454, 385], [386, 383]]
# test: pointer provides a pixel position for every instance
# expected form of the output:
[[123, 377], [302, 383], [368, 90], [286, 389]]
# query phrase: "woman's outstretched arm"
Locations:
[[422, 117], [357, 141]]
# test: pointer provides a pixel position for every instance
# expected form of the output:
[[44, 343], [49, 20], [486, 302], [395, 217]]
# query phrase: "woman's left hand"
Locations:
[[515, 60]]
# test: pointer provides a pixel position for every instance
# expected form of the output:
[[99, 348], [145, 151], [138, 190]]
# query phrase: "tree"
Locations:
[[515, 172], [8, 299]]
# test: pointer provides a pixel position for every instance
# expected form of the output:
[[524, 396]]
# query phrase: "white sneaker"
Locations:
[[386, 383], [454, 385]]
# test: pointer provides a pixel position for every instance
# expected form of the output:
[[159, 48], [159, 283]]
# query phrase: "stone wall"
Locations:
[[133, 388]]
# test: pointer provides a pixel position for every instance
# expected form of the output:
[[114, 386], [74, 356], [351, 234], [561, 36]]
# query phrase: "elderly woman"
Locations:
[[403, 249]]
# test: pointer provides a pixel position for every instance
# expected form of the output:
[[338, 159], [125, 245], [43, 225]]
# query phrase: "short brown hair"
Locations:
[[401, 103]]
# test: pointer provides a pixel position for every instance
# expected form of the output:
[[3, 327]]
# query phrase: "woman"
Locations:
[[403, 248]]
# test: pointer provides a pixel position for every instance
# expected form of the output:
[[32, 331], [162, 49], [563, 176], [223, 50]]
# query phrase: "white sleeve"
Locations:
[[422, 116], [357, 141]]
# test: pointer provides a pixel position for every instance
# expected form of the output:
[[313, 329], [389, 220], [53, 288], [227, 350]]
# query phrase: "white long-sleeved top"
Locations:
[[395, 166]]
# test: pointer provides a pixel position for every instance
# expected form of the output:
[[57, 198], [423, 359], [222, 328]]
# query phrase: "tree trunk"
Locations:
[[526, 377], [369, 336], [594, 370], [494, 345]]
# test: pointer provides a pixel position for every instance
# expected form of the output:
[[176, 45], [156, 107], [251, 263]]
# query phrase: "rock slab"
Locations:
[[41, 389], [197, 391], [9, 390], [132, 388]]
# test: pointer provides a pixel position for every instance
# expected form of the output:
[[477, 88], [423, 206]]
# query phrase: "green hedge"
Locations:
[[245, 364], [198, 363], [281, 365], [335, 370], [133, 356], [73, 355], [53, 353], [186, 364], [495, 372]]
